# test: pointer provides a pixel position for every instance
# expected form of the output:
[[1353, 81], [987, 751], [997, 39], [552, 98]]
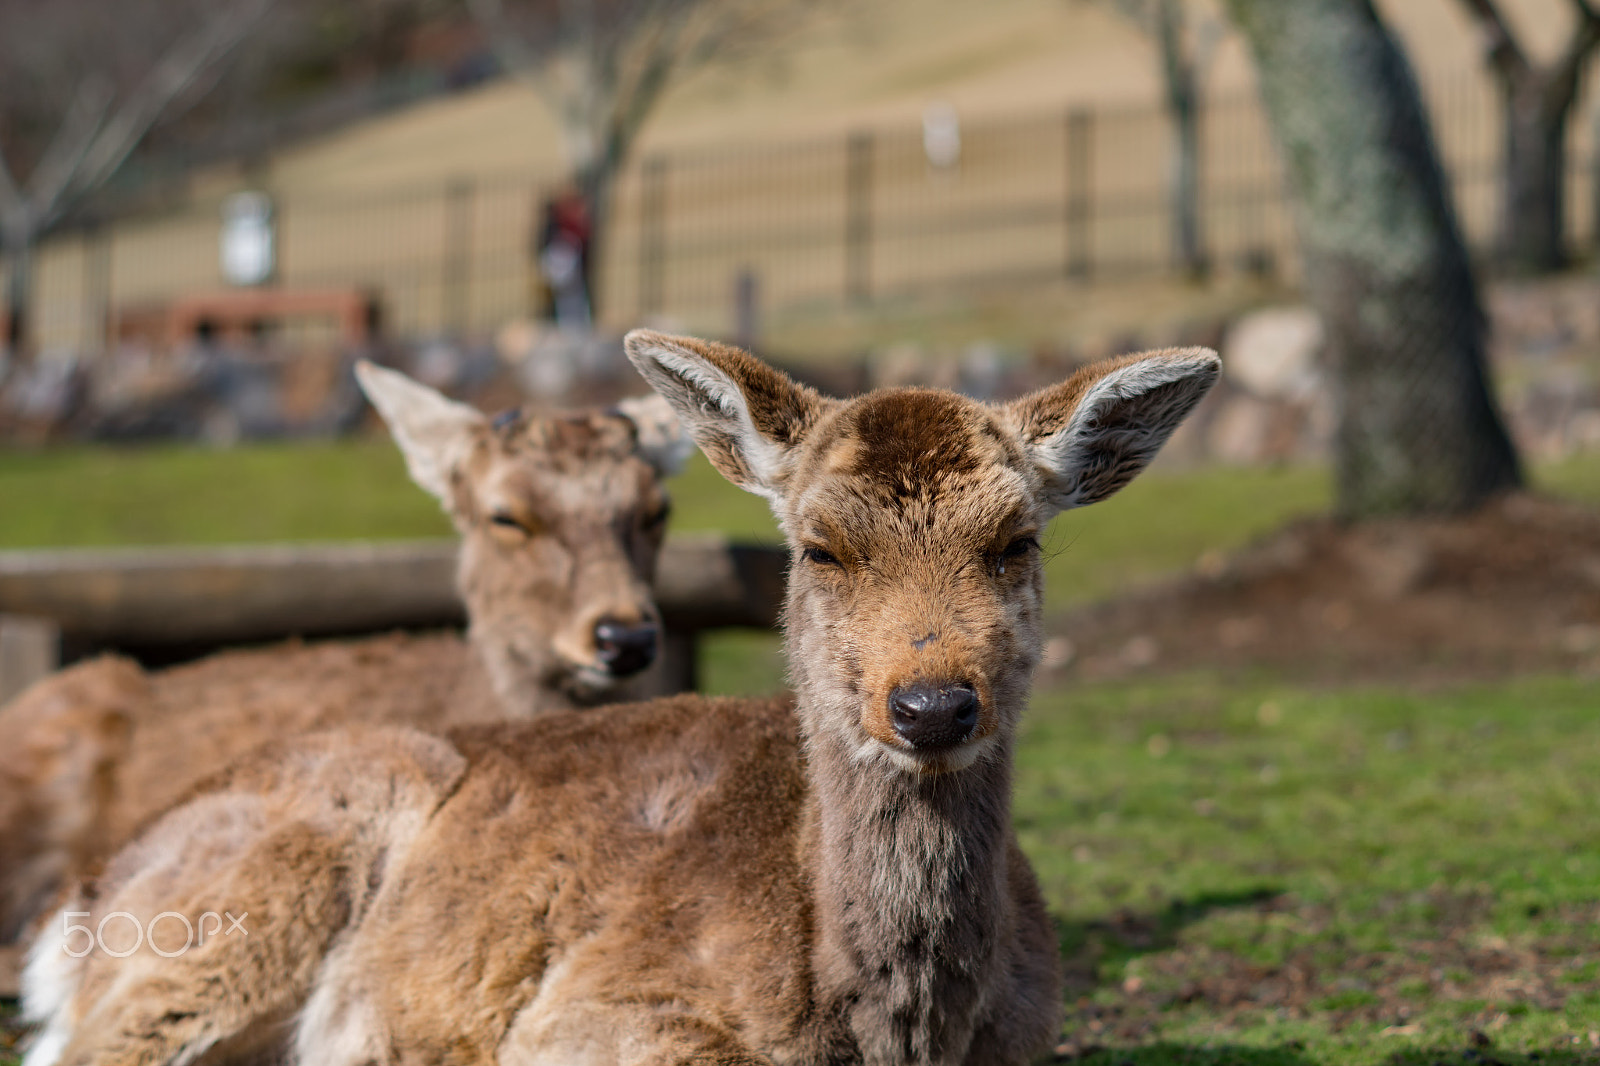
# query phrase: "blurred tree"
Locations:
[[1385, 263], [1186, 38], [1537, 100], [81, 84], [603, 65]]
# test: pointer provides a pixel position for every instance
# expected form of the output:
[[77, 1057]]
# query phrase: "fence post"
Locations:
[[653, 234], [30, 648], [858, 218], [456, 283], [746, 297], [1079, 206], [96, 288]]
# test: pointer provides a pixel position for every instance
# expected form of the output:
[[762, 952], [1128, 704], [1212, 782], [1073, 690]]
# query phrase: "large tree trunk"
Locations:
[[1385, 263]]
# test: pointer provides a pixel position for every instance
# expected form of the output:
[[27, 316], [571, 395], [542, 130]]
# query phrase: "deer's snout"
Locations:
[[625, 649], [934, 715]]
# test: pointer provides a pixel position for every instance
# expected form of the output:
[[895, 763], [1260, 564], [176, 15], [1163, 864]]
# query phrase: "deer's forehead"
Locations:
[[916, 437], [903, 461], [573, 443], [557, 484]]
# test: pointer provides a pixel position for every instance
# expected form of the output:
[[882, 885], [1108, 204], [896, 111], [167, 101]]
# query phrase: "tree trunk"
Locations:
[[1385, 262], [1188, 240], [596, 184], [1181, 76], [1594, 182], [1532, 215]]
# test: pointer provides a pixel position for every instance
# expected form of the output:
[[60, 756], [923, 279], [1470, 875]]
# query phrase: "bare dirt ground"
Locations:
[[1512, 588]]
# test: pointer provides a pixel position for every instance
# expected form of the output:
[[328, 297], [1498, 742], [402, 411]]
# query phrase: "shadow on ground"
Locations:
[[1089, 947], [1293, 1054]]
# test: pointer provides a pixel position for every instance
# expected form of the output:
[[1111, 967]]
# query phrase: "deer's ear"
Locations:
[[1091, 434], [435, 433], [747, 417], [663, 442]]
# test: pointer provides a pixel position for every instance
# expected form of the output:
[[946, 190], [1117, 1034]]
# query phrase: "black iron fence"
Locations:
[[1081, 194]]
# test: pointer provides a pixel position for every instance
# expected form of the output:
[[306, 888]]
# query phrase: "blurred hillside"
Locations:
[[859, 65]]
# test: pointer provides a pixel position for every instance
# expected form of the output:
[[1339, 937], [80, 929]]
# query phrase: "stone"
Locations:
[[1272, 353]]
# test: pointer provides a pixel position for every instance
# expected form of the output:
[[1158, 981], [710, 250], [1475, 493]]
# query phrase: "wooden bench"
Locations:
[[169, 604], [354, 312]]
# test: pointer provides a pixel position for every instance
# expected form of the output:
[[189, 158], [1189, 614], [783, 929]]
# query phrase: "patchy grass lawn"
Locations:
[[1267, 874]]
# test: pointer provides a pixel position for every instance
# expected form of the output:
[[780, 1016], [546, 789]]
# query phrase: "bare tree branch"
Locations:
[[105, 115], [64, 156], [1585, 39], [1503, 51], [177, 71], [11, 199], [510, 50]]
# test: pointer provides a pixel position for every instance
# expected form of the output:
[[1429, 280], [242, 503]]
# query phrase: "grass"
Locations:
[[176, 494], [1267, 874]]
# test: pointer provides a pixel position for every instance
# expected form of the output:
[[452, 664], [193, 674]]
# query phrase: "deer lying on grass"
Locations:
[[686, 880], [560, 518]]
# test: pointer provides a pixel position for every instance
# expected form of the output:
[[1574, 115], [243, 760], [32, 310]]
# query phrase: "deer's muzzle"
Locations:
[[934, 715]]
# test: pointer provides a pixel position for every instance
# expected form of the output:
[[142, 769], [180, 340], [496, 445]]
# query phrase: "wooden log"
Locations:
[[208, 597]]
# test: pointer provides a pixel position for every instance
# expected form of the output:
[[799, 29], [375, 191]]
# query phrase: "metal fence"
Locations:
[[1079, 195]]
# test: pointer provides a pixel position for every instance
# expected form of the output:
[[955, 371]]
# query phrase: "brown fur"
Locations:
[[692, 880], [106, 746]]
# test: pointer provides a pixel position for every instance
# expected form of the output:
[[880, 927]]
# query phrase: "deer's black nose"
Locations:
[[625, 649], [933, 715]]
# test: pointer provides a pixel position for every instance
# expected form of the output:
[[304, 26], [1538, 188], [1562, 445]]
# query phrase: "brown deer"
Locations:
[[561, 518], [686, 880]]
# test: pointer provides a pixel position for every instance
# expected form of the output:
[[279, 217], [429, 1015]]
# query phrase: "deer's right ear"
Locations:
[[1091, 434], [747, 417], [434, 432]]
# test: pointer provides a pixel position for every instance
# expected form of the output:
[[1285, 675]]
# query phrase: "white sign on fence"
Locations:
[[247, 246]]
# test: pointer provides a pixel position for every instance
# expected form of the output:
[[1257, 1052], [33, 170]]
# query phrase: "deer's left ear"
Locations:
[[434, 432], [1091, 434], [748, 418]]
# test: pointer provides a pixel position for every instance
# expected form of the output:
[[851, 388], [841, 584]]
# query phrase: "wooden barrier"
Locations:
[[164, 604]]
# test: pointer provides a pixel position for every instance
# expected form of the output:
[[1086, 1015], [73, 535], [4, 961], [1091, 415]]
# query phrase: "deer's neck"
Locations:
[[910, 893]]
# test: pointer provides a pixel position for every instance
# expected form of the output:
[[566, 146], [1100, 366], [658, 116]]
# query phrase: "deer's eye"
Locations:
[[658, 518], [822, 557], [507, 520], [1017, 549]]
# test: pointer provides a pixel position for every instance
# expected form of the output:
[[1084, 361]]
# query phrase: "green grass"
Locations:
[[1424, 865], [79, 496]]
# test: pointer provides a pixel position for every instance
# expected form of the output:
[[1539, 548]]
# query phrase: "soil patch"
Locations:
[[1514, 587]]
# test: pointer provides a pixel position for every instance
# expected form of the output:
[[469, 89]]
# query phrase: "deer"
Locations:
[[560, 517], [828, 878]]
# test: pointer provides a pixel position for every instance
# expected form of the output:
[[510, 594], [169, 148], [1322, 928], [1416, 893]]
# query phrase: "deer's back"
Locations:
[[199, 717], [646, 849]]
